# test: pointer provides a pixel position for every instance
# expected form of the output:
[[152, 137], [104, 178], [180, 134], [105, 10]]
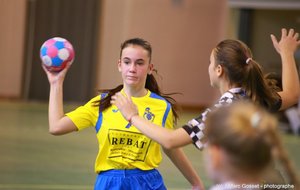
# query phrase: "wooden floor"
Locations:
[[30, 158]]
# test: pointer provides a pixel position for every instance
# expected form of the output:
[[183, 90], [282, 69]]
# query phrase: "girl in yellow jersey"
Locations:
[[127, 159]]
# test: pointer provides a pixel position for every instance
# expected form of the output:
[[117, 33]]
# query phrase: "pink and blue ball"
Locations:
[[56, 52]]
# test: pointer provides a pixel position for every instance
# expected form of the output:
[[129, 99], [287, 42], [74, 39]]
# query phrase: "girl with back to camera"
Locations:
[[243, 142], [127, 159], [234, 72]]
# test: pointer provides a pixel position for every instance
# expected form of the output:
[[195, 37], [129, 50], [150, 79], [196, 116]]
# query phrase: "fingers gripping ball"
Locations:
[[56, 52]]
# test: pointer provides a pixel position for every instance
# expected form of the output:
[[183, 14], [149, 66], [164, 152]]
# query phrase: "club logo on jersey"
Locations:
[[148, 115]]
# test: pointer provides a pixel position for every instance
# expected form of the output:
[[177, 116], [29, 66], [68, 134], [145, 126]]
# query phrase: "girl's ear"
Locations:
[[119, 65], [151, 67], [220, 70]]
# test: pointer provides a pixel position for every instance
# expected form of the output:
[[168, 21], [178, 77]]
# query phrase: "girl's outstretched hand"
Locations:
[[288, 43], [125, 105]]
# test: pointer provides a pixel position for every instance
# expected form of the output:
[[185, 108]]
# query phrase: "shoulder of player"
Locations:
[[155, 96], [226, 98]]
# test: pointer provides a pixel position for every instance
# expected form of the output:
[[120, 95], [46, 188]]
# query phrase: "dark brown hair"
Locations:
[[151, 83], [242, 70]]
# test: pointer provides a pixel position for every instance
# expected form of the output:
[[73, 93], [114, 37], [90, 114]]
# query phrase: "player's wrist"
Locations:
[[132, 116]]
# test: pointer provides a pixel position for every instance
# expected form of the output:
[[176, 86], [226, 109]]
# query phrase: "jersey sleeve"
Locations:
[[168, 120], [86, 115], [195, 127]]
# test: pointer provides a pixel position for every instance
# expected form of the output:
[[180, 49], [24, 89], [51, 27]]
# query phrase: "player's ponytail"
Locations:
[[257, 86], [106, 95], [242, 70], [152, 85]]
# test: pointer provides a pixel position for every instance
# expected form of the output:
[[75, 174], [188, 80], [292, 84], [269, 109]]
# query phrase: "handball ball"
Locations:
[[55, 53]]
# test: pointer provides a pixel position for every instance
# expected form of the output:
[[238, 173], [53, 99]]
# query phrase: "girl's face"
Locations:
[[212, 71], [134, 66]]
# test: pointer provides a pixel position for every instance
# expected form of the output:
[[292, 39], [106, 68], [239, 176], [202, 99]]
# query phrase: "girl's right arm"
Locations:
[[59, 124]]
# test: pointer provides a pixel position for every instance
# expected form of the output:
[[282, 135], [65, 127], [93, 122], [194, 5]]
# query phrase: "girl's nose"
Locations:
[[132, 67]]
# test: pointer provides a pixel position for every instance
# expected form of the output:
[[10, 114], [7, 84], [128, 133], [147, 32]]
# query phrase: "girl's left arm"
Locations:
[[180, 160]]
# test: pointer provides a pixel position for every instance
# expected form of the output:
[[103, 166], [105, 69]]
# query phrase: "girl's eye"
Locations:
[[126, 61], [140, 63]]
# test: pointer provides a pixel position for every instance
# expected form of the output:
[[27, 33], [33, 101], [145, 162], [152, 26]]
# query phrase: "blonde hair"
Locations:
[[248, 134]]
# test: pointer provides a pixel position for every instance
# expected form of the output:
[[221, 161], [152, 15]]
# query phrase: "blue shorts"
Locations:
[[131, 179]]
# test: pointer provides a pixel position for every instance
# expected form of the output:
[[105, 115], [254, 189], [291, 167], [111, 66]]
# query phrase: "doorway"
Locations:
[[75, 20]]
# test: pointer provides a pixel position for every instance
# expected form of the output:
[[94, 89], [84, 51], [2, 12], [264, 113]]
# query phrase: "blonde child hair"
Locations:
[[247, 135]]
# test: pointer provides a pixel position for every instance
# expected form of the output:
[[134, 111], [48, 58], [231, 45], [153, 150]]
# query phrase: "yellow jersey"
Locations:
[[121, 145]]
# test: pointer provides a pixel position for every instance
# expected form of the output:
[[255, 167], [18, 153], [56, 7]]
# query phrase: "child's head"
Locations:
[[137, 71], [243, 141], [135, 62], [232, 55], [236, 65], [137, 42]]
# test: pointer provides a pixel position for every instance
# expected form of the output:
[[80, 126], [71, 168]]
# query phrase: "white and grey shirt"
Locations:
[[196, 126]]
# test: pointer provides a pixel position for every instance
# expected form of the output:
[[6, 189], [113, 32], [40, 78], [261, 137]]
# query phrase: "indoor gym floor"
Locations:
[[31, 158]]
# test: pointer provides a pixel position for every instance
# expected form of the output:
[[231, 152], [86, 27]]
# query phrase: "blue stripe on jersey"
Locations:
[[166, 114], [99, 122], [153, 95]]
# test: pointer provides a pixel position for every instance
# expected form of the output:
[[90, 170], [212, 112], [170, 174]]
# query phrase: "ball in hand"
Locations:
[[56, 53]]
